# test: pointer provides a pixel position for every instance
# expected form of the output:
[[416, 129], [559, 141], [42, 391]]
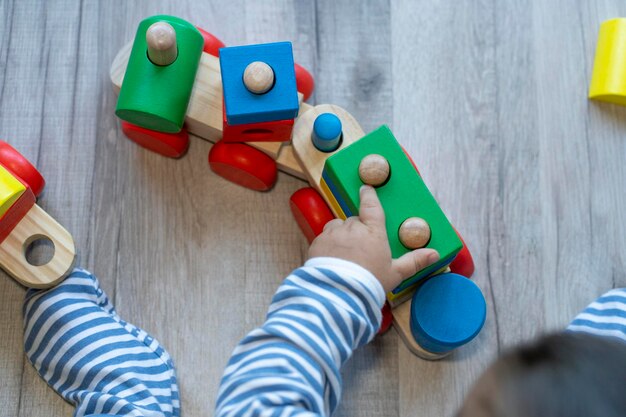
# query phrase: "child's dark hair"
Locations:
[[561, 375]]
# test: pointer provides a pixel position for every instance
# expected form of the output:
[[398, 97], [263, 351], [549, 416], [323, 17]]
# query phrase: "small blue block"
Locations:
[[447, 312], [326, 134], [242, 106]]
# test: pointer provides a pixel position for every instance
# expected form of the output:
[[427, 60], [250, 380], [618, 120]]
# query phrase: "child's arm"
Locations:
[[604, 317], [318, 317]]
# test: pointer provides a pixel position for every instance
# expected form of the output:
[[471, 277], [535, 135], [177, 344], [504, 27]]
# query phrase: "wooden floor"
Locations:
[[488, 96]]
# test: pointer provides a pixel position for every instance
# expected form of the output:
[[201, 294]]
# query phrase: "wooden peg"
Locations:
[[258, 77], [374, 170], [414, 233], [326, 135], [161, 40]]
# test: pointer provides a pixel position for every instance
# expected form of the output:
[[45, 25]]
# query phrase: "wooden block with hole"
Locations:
[[22, 222]]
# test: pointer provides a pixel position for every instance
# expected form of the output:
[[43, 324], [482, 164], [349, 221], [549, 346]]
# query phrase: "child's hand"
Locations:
[[363, 240]]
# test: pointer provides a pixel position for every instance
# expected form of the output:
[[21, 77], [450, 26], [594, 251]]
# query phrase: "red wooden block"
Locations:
[[20, 167], [310, 211], [17, 211], [411, 160], [463, 264], [387, 319], [212, 45], [172, 145], [276, 131], [243, 165], [304, 81]]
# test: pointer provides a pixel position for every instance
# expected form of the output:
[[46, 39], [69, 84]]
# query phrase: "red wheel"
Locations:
[[243, 165], [172, 145], [387, 319], [411, 160], [212, 45], [463, 264], [304, 81], [310, 211], [18, 165]]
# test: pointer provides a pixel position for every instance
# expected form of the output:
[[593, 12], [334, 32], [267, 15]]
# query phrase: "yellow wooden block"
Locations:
[[10, 190], [608, 81], [400, 298]]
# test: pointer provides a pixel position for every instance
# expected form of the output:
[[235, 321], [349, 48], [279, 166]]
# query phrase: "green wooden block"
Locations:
[[156, 97], [404, 195]]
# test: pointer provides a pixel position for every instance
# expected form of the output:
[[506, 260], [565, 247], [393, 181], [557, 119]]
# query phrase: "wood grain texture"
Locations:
[[487, 96]]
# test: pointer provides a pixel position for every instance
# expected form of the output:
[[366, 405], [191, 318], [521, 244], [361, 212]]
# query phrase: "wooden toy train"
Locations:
[[176, 79]]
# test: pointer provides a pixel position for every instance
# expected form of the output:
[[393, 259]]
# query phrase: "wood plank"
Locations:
[[353, 71], [527, 169], [444, 114], [173, 266], [49, 112]]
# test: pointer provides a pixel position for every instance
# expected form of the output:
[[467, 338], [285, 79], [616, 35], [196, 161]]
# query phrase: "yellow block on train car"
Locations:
[[10, 190]]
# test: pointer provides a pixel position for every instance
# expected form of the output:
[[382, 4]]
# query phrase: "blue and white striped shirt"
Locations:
[[319, 316], [291, 365], [92, 358], [604, 317]]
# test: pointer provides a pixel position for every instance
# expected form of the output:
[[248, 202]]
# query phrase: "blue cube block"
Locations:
[[243, 106]]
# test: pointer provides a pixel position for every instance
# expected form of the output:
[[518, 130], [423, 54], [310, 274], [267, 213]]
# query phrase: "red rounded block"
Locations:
[[411, 160], [16, 213], [310, 211], [387, 319], [212, 45], [463, 264], [243, 165], [304, 81], [12, 160], [274, 131], [172, 145]]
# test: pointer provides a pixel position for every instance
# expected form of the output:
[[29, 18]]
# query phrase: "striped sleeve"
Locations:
[[604, 317], [92, 358], [291, 365]]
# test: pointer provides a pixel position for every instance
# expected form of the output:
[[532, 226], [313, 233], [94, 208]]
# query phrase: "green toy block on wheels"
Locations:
[[403, 195], [156, 96]]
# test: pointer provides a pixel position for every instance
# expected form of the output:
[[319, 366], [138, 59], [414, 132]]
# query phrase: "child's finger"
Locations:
[[410, 263], [332, 224], [371, 211]]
